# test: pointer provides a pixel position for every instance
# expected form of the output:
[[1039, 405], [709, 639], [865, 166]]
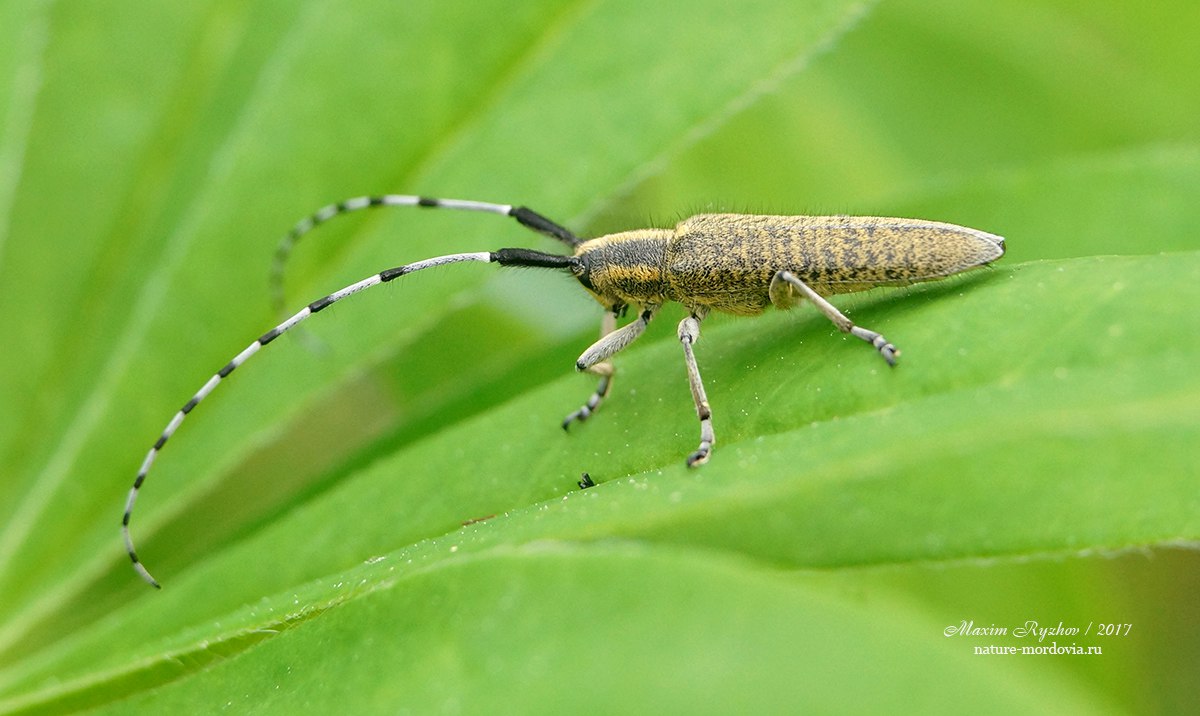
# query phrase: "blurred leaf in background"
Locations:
[[389, 522]]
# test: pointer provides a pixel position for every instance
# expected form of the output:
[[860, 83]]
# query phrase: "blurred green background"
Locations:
[[151, 157]]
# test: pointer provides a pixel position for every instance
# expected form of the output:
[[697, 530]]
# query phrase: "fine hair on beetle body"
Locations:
[[732, 263]]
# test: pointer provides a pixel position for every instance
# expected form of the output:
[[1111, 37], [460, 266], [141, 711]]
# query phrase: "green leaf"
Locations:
[[551, 627], [823, 456], [391, 521]]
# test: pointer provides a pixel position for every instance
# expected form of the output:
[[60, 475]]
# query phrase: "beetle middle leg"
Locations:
[[781, 292], [689, 333]]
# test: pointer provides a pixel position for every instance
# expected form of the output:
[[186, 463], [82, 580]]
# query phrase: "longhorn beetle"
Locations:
[[736, 263]]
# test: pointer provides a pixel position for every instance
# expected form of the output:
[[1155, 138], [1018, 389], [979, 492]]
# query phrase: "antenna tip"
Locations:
[[146, 575]]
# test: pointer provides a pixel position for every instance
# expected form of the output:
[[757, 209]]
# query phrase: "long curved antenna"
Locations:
[[504, 257], [526, 217]]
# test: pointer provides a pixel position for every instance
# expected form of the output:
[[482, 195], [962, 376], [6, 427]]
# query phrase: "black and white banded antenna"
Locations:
[[287, 244], [503, 257]]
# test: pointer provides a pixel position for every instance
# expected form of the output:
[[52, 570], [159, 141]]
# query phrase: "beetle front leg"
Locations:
[[605, 370], [595, 359]]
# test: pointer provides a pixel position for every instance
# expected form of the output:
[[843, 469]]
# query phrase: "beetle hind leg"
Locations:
[[783, 290]]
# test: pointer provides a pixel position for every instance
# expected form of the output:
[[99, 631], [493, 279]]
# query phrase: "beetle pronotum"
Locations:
[[736, 263]]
